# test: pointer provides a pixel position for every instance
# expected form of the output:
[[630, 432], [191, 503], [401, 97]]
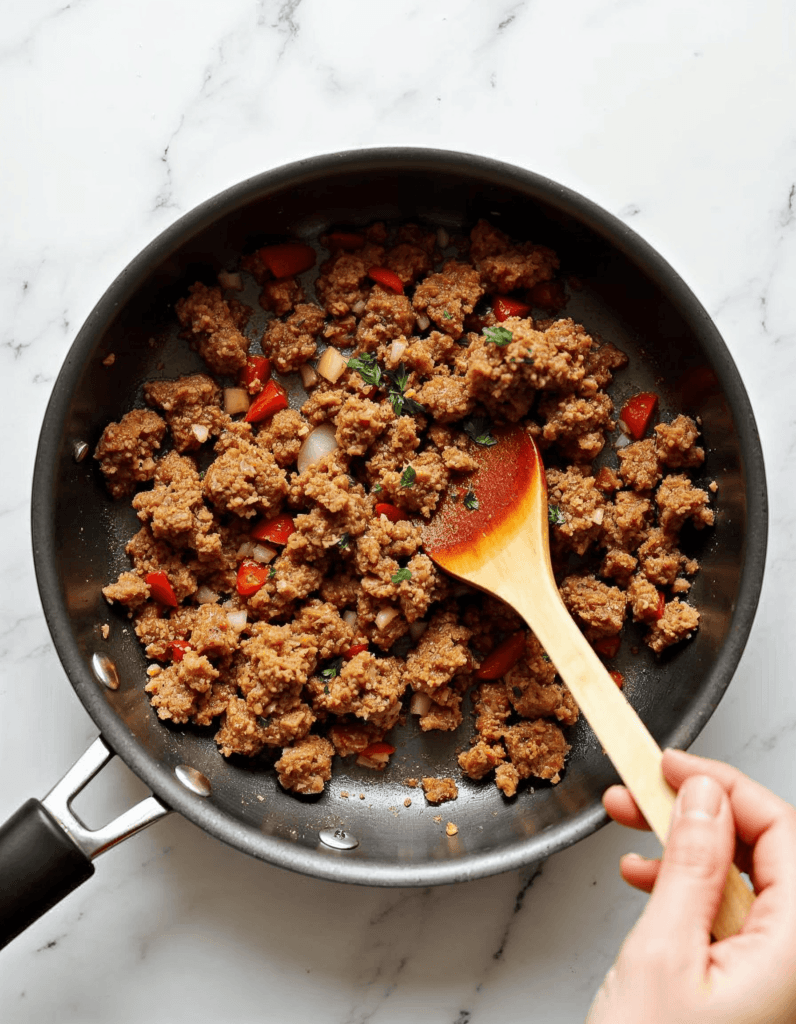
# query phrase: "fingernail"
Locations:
[[700, 797]]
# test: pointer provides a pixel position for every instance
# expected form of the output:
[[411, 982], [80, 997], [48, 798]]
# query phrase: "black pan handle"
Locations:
[[46, 851], [40, 865]]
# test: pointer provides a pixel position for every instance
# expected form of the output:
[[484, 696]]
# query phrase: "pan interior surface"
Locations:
[[626, 294]]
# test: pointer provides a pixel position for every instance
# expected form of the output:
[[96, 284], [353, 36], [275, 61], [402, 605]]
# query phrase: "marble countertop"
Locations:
[[115, 119]]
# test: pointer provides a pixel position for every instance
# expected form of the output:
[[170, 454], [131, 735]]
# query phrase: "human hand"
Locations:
[[668, 971]]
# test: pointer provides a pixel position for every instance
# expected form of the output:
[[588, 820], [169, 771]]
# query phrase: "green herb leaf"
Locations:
[[545, 656], [401, 405], [555, 516], [471, 502], [331, 670], [408, 476], [367, 367], [344, 541], [498, 335], [271, 571], [446, 315], [477, 429], [376, 488], [326, 689], [400, 576]]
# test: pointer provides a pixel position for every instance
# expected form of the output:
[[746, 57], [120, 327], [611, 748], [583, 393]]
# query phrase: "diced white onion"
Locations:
[[417, 629], [237, 619], [597, 516], [247, 468], [319, 442], [245, 550], [350, 617], [232, 281], [419, 704], [422, 321], [443, 238], [309, 375], [385, 617], [200, 432], [397, 350], [204, 595], [236, 400], [358, 308], [331, 365], [263, 553], [622, 441]]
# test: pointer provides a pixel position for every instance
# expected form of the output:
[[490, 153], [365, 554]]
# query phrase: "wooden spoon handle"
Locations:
[[624, 737]]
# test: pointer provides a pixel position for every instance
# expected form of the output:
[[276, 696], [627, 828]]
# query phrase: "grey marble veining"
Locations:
[[118, 118]]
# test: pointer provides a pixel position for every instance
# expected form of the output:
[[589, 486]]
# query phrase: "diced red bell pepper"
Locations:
[[177, 649], [160, 588], [377, 748], [277, 530], [271, 399], [354, 650], [393, 513], [255, 373], [504, 657], [661, 605], [503, 307], [548, 295], [637, 412], [287, 258], [343, 240], [617, 677], [387, 279], [608, 646], [251, 576]]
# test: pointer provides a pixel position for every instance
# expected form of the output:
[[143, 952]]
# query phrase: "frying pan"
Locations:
[[620, 289]]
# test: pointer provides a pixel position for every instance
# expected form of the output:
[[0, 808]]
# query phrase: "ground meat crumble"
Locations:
[[349, 624]]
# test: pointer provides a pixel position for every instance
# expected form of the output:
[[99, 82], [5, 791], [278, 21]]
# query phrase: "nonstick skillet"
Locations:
[[621, 290]]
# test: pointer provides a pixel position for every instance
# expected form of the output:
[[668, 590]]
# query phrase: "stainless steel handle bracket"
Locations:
[[58, 804]]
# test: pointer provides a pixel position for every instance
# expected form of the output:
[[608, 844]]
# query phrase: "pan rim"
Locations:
[[328, 865]]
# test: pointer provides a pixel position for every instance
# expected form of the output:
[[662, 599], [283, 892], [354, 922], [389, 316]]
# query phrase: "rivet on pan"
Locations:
[[193, 779], [105, 670], [79, 451], [338, 839]]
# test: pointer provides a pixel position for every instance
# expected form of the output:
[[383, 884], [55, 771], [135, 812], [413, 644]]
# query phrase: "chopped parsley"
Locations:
[[471, 501], [376, 488], [326, 689], [393, 381], [368, 368], [344, 541], [271, 571], [555, 516], [331, 670], [446, 315], [545, 657], [408, 476], [401, 405], [498, 335], [401, 575], [477, 429]]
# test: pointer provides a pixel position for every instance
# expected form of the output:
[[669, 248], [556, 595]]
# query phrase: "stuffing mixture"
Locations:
[[278, 581]]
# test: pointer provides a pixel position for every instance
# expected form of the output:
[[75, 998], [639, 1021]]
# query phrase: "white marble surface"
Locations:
[[116, 118]]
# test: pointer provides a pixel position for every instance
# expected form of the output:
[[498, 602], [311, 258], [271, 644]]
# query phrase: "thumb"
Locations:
[[695, 863]]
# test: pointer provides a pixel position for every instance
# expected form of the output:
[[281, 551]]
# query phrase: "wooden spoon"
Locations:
[[502, 547]]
